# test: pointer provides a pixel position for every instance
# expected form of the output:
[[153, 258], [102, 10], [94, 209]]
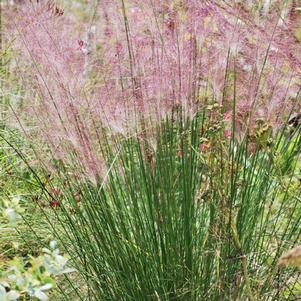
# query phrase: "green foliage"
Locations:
[[293, 291], [17, 191], [34, 277], [11, 210], [18, 217]]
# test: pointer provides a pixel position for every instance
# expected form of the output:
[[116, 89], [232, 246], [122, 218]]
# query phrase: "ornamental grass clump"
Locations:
[[178, 223], [160, 133]]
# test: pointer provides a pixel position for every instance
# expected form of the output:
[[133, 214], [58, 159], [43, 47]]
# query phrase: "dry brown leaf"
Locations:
[[291, 258]]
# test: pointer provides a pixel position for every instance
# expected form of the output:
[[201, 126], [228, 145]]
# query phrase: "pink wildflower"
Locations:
[[227, 116], [83, 46], [204, 146], [227, 134], [55, 192], [180, 153], [54, 203]]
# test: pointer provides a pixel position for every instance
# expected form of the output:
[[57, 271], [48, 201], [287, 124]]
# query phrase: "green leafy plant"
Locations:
[[11, 210], [33, 277]]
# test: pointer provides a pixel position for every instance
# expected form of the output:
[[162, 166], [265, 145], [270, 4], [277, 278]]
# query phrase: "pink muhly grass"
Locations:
[[150, 57], [177, 49], [57, 63]]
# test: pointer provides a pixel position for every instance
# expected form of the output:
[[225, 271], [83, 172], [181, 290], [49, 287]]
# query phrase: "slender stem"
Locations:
[[244, 260]]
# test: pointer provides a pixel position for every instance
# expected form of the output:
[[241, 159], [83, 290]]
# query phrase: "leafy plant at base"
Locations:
[[33, 278]]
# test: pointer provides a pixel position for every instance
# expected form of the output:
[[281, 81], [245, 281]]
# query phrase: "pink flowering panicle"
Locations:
[[160, 55], [144, 59], [55, 58]]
